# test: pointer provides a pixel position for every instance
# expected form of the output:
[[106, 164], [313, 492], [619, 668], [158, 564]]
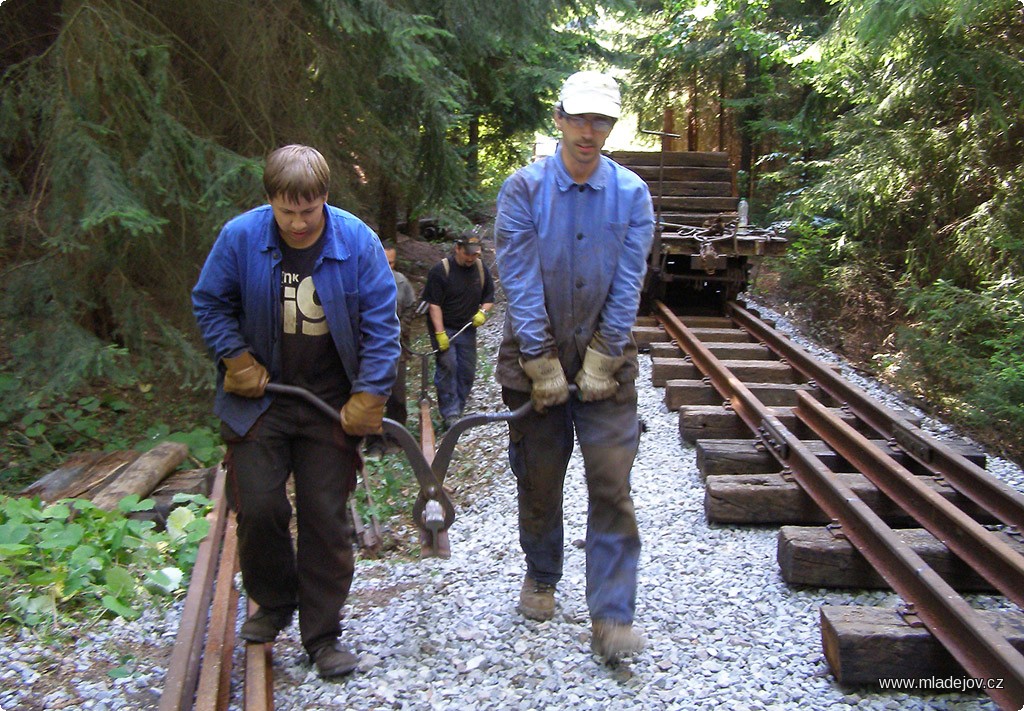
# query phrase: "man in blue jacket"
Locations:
[[298, 292], [573, 231]]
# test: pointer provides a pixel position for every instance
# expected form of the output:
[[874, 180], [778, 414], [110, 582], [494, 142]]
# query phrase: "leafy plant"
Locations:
[[393, 487], [70, 560]]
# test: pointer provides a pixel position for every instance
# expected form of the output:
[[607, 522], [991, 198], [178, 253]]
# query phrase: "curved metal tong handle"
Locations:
[[433, 510]]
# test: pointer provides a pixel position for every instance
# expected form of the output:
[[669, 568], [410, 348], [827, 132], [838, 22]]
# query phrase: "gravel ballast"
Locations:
[[724, 631]]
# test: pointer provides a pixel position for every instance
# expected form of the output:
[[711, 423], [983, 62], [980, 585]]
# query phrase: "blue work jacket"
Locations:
[[572, 260], [237, 304]]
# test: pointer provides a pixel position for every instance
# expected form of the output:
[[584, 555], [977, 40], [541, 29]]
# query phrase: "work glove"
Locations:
[[245, 376], [548, 381], [479, 317], [442, 341], [362, 414], [596, 380]]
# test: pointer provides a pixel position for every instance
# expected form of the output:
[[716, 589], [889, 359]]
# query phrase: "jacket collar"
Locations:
[[598, 180], [334, 246]]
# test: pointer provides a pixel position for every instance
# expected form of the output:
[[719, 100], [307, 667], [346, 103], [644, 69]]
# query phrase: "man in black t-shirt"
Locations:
[[297, 291], [459, 290]]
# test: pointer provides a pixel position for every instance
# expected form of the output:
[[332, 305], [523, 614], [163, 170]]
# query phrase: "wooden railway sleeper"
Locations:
[[972, 641], [971, 480]]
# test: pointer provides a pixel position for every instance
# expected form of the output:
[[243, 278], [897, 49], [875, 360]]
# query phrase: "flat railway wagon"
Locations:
[[704, 252]]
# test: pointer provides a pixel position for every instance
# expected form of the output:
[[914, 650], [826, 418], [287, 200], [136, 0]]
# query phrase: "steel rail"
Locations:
[[991, 494], [214, 689], [979, 547], [973, 642], [183, 668], [258, 688]]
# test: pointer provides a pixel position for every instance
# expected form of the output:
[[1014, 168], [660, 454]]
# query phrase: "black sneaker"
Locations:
[[334, 660], [265, 624]]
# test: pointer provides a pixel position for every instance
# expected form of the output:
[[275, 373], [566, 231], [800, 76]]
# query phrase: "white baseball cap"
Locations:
[[591, 92]]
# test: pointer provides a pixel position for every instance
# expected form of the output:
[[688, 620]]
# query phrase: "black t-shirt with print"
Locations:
[[459, 293], [309, 358]]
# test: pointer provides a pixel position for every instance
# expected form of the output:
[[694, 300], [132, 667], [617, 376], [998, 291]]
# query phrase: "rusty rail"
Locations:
[[199, 672], [993, 495], [973, 642]]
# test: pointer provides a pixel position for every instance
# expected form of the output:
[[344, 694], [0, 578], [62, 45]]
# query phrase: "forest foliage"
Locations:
[[131, 130], [888, 133]]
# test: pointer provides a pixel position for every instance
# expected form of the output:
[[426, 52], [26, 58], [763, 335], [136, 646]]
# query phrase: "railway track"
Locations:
[[782, 438], [204, 672], [777, 436]]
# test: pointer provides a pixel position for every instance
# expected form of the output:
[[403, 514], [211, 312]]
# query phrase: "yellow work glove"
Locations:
[[442, 341], [362, 414], [479, 317], [548, 381], [245, 376], [596, 380]]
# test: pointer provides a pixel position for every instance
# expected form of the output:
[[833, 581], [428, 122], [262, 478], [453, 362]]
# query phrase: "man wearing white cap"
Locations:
[[573, 232]]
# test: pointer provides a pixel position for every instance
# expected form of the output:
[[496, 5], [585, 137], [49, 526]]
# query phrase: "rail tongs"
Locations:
[[433, 511]]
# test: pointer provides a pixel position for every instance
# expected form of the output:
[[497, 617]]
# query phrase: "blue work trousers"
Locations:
[[295, 438], [540, 446], [455, 371]]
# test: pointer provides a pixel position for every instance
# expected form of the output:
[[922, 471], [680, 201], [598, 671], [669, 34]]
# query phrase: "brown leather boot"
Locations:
[[264, 625], [537, 600], [614, 640], [334, 660]]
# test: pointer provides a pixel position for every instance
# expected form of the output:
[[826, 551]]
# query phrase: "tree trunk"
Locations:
[[473, 155], [691, 123], [387, 216]]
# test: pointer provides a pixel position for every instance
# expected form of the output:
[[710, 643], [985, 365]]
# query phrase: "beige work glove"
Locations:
[[548, 381], [245, 376], [362, 414], [596, 379]]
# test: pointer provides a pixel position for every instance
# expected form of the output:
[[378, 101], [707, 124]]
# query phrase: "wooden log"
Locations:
[[723, 351], [694, 188], [717, 422], [652, 173], [646, 335], [717, 457], [80, 474], [817, 557], [720, 334], [680, 393], [701, 204], [186, 481], [752, 371], [775, 499], [865, 644], [142, 475], [750, 456], [717, 159]]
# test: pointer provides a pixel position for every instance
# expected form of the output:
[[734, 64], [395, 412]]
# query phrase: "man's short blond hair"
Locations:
[[296, 173]]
